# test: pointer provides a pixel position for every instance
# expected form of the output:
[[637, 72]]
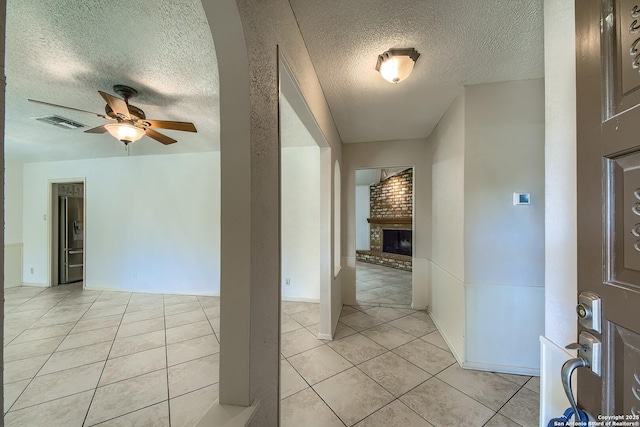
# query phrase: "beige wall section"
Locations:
[[446, 263], [486, 253], [12, 265], [504, 153], [13, 241], [247, 35], [503, 243], [412, 153]]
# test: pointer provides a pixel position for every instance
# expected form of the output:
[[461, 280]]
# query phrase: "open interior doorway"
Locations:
[[305, 192], [67, 233], [384, 236], [300, 223]]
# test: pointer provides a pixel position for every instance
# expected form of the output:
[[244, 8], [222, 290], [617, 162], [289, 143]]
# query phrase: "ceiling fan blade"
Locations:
[[98, 129], [68, 108], [164, 139], [117, 105], [165, 124]]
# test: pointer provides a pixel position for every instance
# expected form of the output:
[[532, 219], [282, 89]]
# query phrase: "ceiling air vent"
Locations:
[[60, 122]]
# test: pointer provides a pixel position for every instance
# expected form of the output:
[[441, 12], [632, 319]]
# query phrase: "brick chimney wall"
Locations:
[[391, 198]]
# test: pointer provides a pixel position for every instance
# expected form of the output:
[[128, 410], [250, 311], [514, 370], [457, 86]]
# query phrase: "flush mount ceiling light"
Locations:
[[396, 64], [124, 132]]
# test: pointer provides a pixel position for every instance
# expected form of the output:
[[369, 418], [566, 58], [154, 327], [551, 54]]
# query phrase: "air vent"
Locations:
[[60, 122]]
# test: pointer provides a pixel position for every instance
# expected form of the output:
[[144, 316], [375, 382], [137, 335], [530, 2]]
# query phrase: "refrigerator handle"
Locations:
[[65, 221]]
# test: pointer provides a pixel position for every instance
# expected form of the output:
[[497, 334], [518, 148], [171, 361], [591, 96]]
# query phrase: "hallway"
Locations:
[[390, 367], [81, 358], [377, 285]]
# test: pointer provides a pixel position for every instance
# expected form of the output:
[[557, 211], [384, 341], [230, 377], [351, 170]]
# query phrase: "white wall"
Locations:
[[152, 223], [560, 192], [487, 256], [13, 225], [363, 211], [503, 243], [446, 263], [300, 181], [504, 153]]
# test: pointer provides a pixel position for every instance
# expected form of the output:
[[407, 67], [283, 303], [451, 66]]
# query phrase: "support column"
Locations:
[[250, 212]]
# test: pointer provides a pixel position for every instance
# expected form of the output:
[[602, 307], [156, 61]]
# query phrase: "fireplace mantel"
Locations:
[[396, 220]]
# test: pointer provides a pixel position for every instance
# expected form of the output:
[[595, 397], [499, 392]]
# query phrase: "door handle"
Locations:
[[590, 349], [567, 369], [589, 356]]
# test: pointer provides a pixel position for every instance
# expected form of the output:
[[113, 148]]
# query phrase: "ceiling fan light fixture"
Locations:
[[124, 132], [395, 65]]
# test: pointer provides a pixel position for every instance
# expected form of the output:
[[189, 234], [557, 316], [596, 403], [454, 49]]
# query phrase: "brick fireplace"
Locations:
[[391, 210]]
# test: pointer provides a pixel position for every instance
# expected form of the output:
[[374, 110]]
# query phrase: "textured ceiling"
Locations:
[[461, 42], [64, 51]]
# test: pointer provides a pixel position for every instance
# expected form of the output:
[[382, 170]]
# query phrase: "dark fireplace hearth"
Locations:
[[397, 242]]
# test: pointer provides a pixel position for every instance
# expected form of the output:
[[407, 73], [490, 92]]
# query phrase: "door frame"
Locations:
[[290, 90], [53, 249], [413, 225]]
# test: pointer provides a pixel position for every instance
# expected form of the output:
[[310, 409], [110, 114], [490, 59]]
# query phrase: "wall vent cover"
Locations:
[[60, 122]]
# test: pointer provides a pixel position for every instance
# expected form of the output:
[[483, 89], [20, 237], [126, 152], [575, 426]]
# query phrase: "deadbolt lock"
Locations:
[[583, 311], [589, 311]]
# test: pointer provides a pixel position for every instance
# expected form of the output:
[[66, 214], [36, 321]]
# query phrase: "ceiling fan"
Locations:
[[131, 123]]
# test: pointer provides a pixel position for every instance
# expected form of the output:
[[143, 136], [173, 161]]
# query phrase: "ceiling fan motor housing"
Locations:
[[125, 91], [134, 112]]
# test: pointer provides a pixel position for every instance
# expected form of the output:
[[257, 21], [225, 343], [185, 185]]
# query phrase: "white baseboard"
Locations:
[[458, 358], [313, 300], [223, 415], [36, 285], [145, 291], [326, 337], [517, 370]]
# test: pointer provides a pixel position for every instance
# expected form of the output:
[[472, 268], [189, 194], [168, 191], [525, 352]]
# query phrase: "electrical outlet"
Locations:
[[32, 270], [287, 282]]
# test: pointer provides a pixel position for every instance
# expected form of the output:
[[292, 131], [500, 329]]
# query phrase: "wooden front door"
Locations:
[[608, 233]]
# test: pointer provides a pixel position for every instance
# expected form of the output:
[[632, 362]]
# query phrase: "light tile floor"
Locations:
[[82, 358], [391, 367], [381, 286]]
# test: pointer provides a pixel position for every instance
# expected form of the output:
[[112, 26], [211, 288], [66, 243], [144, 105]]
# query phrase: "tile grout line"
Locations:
[[166, 355], [509, 400], [9, 312], [435, 375], [32, 378], [386, 352], [45, 362], [73, 325], [95, 390], [353, 365]]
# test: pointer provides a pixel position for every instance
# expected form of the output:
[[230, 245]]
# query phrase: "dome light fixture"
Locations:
[[395, 65], [125, 132]]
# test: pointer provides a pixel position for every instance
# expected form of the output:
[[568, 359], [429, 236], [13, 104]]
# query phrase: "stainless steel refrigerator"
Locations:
[[71, 239]]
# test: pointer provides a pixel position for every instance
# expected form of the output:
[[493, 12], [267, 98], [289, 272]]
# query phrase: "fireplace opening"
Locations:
[[397, 242]]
